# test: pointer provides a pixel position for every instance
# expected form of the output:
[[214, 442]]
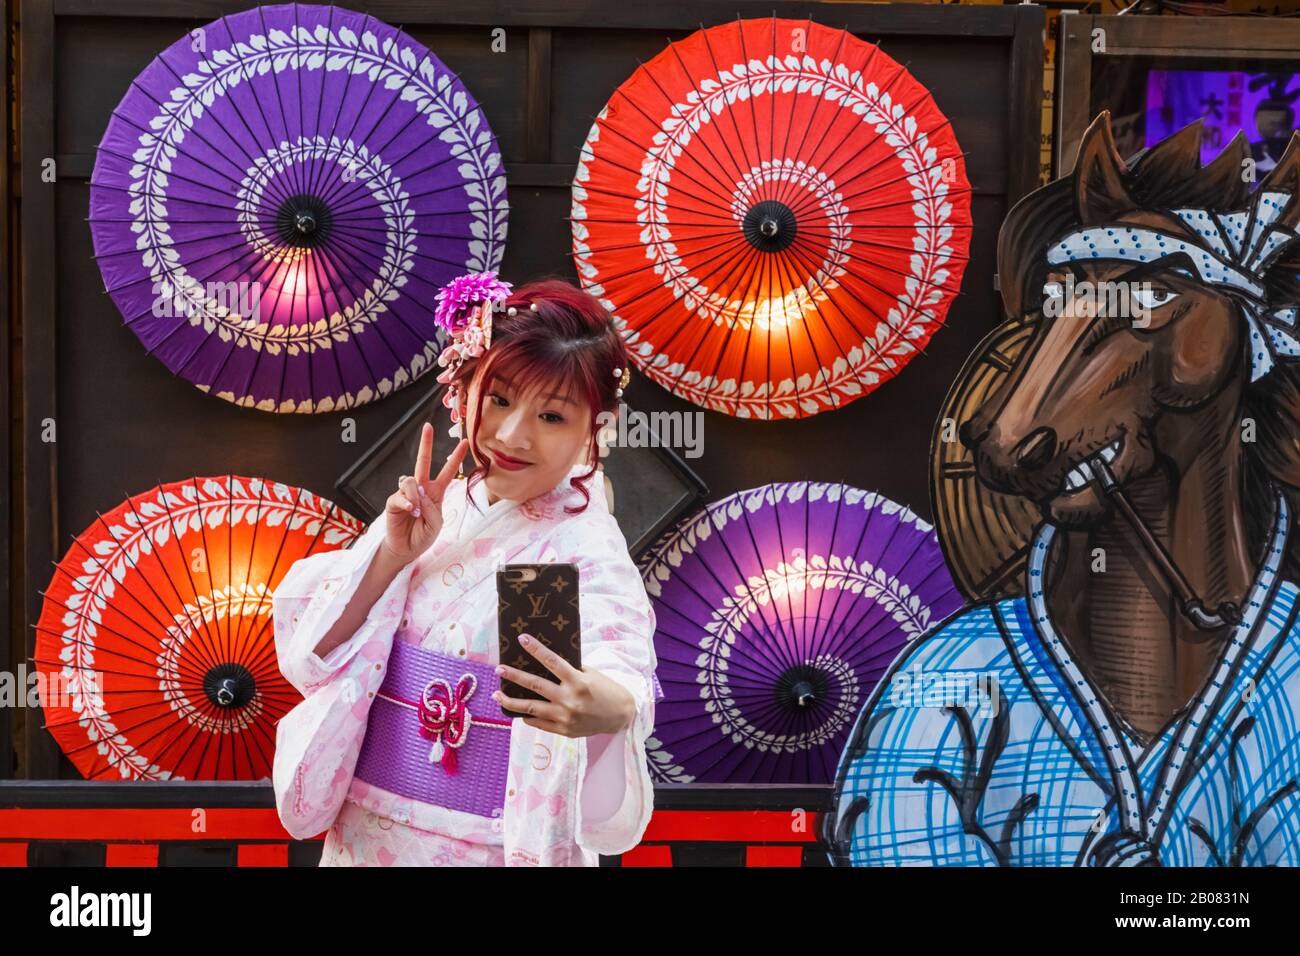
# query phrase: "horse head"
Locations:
[[1154, 287]]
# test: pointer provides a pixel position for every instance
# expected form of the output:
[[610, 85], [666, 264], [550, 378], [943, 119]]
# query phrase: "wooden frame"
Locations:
[[1211, 39], [10, 611], [1018, 27], [39, 476]]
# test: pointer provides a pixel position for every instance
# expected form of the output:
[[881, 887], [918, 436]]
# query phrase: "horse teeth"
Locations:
[[1078, 476], [1082, 474]]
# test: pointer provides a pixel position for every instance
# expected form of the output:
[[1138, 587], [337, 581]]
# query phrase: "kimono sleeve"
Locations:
[[308, 600], [618, 626], [318, 741]]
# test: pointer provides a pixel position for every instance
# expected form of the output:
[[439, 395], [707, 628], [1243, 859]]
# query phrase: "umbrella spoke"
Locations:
[[357, 113], [170, 723], [753, 110], [224, 153], [457, 189], [783, 194], [748, 265], [725, 217], [761, 650], [291, 174], [724, 187], [868, 341], [262, 143], [852, 129], [313, 185], [198, 626], [160, 626], [705, 199], [171, 175], [793, 282], [258, 639], [742, 141], [871, 189], [57, 664]]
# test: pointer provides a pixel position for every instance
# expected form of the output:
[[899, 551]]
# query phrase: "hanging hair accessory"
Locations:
[[624, 376], [533, 306], [465, 307]]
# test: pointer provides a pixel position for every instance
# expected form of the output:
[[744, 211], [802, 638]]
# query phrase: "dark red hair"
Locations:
[[570, 339]]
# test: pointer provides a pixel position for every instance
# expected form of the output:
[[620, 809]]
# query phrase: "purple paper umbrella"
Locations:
[[278, 198], [778, 610]]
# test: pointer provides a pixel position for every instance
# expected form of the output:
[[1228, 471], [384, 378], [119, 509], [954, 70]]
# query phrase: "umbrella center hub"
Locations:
[[303, 221], [802, 687], [229, 685], [770, 226]]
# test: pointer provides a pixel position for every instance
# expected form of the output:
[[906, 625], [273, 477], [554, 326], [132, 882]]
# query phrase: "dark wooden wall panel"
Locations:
[[10, 611], [125, 422]]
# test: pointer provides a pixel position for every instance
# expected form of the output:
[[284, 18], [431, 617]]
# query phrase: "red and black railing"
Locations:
[[182, 823]]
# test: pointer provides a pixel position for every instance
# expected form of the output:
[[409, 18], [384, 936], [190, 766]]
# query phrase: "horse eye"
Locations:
[[1149, 298]]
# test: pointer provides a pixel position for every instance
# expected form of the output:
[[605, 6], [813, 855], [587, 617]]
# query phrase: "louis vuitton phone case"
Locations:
[[540, 600]]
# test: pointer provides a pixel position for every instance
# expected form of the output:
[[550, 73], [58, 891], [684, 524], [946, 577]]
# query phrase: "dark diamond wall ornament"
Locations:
[[653, 485]]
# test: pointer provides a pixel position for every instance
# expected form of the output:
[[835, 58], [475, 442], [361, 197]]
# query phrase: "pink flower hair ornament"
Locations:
[[465, 307]]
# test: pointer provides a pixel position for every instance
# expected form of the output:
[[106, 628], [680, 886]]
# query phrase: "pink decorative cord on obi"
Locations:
[[445, 717]]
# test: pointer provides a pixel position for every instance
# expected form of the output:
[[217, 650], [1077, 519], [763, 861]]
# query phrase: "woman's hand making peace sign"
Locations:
[[414, 511]]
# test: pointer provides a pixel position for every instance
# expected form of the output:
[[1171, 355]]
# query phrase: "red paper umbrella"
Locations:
[[155, 639], [776, 212]]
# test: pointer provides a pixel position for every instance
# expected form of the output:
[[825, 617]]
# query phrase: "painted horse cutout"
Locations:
[[1147, 704]]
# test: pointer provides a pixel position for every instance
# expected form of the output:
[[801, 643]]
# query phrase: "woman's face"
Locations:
[[531, 440]]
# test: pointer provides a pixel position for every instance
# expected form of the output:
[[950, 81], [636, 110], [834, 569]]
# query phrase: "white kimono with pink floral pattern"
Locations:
[[567, 800]]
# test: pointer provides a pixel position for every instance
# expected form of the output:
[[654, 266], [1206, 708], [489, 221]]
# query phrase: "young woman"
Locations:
[[400, 747]]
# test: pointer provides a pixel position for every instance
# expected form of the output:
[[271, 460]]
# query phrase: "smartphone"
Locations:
[[541, 600]]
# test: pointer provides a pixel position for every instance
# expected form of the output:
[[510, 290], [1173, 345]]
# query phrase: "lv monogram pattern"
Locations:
[[547, 608]]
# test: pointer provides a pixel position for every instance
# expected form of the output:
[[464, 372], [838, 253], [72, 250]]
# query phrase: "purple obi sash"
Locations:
[[435, 733]]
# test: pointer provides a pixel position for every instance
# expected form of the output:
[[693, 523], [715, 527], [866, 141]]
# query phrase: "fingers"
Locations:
[[540, 709], [449, 469], [398, 503], [425, 456], [412, 493], [547, 688], [553, 662]]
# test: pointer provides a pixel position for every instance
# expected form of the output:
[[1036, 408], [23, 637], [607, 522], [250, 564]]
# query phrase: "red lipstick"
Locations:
[[508, 463]]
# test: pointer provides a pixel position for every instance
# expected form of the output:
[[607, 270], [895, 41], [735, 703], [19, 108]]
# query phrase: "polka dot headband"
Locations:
[[1230, 249]]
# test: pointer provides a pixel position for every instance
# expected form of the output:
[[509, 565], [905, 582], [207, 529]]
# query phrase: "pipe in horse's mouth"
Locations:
[[1082, 474]]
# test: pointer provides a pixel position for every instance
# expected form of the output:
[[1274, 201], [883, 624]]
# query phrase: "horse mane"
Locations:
[[1101, 187]]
